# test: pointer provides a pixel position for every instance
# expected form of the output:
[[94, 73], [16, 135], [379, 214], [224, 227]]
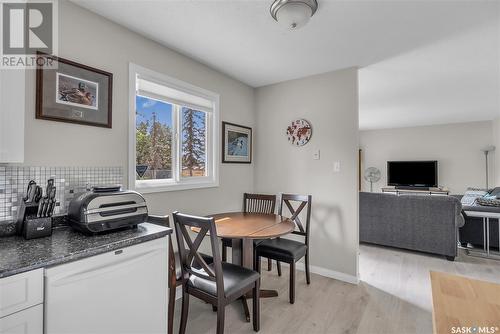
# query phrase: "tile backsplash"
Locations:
[[68, 181]]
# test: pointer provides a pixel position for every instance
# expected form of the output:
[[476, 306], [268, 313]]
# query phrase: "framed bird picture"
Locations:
[[74, 93], [236, 143]]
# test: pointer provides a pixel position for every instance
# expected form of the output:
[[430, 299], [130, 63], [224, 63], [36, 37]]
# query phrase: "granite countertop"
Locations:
[[18, 255]]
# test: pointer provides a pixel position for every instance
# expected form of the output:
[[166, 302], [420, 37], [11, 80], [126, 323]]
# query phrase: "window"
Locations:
[[174, 133]]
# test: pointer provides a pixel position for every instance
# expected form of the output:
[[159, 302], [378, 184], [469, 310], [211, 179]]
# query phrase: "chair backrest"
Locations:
[[257, 203], [188, 255], [304, 202], [164, 221]]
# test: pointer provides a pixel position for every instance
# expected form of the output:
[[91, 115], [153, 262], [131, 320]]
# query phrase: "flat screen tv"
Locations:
[[412, 174]]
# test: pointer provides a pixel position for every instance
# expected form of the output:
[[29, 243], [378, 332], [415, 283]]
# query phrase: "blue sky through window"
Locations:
[[145, 108]]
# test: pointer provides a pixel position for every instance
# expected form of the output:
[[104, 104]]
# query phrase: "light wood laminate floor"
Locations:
[[394, 296]]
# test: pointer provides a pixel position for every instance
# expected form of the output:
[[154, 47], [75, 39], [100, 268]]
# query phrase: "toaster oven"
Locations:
[[106, 209]]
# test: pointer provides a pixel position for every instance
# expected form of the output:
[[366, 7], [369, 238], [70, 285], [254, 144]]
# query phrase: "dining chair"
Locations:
[[218, 283], [287, 250], [174, 270], [253, 203]]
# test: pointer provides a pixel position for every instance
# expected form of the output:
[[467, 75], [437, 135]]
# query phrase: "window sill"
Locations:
[[166, 187]]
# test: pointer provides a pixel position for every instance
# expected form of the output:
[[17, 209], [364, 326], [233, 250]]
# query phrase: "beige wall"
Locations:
[[330, 102], [457, 147], [92, 40], [110, 47]]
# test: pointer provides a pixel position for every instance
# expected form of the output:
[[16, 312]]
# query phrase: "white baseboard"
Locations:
[[329, 273], [300, 266]]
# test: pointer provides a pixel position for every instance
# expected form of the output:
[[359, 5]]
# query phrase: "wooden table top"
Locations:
[[239, 225], [464, 302]]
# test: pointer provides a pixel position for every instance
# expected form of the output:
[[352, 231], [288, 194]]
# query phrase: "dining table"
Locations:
[[243, 228]]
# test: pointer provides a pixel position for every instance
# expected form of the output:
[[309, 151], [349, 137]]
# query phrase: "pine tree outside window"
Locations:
[[193, 142], [174, 134]]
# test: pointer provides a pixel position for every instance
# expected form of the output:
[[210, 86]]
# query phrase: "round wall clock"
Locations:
[[299, 132]]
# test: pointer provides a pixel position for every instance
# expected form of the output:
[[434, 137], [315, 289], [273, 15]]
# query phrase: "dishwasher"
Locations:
[[122, 291]]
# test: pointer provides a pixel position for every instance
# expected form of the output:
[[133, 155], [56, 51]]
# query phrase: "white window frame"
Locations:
[[213, 137]]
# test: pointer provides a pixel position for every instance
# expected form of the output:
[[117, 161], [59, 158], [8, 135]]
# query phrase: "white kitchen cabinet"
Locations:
[[122, 291], [21, 291], [29, 321], [21, 308], [12, 111]]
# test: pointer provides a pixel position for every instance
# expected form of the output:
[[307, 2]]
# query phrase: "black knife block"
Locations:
[[37, 227], [29, 225]]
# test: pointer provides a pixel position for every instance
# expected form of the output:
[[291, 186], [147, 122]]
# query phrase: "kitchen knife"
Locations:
[[25, 198], [50, 208], [38, 194], [50, 182], [51, 202], [40, 207], [46, 199], [30, 192], [45, 209]]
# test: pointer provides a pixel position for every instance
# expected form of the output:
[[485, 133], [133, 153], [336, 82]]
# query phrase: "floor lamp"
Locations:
[[487, 150]]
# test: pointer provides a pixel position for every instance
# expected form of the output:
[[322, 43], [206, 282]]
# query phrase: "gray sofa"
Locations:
[[416, 222]]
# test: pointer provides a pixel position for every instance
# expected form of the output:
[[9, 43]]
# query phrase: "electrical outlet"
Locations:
[[336, 166], [316, 155]]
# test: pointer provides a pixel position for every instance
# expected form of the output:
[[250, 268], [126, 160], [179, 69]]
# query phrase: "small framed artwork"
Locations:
[[73, 93], [236, 143]]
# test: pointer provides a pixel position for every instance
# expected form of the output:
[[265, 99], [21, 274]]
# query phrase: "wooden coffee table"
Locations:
[[460, 302]]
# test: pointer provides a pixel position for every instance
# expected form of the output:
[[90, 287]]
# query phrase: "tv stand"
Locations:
[[418, 191], [412, 188]]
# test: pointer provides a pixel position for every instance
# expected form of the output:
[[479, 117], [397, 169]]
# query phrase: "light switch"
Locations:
[[316, 155], [336, 166]]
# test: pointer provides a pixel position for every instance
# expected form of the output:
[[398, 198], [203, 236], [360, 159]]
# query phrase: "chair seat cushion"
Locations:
[[281, 249], [235, 278]]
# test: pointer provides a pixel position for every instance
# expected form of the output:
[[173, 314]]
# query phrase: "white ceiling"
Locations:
[[454, 80], [419, 53]]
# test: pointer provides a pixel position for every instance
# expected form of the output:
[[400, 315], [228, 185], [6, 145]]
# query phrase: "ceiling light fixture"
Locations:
[[293, 14]]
